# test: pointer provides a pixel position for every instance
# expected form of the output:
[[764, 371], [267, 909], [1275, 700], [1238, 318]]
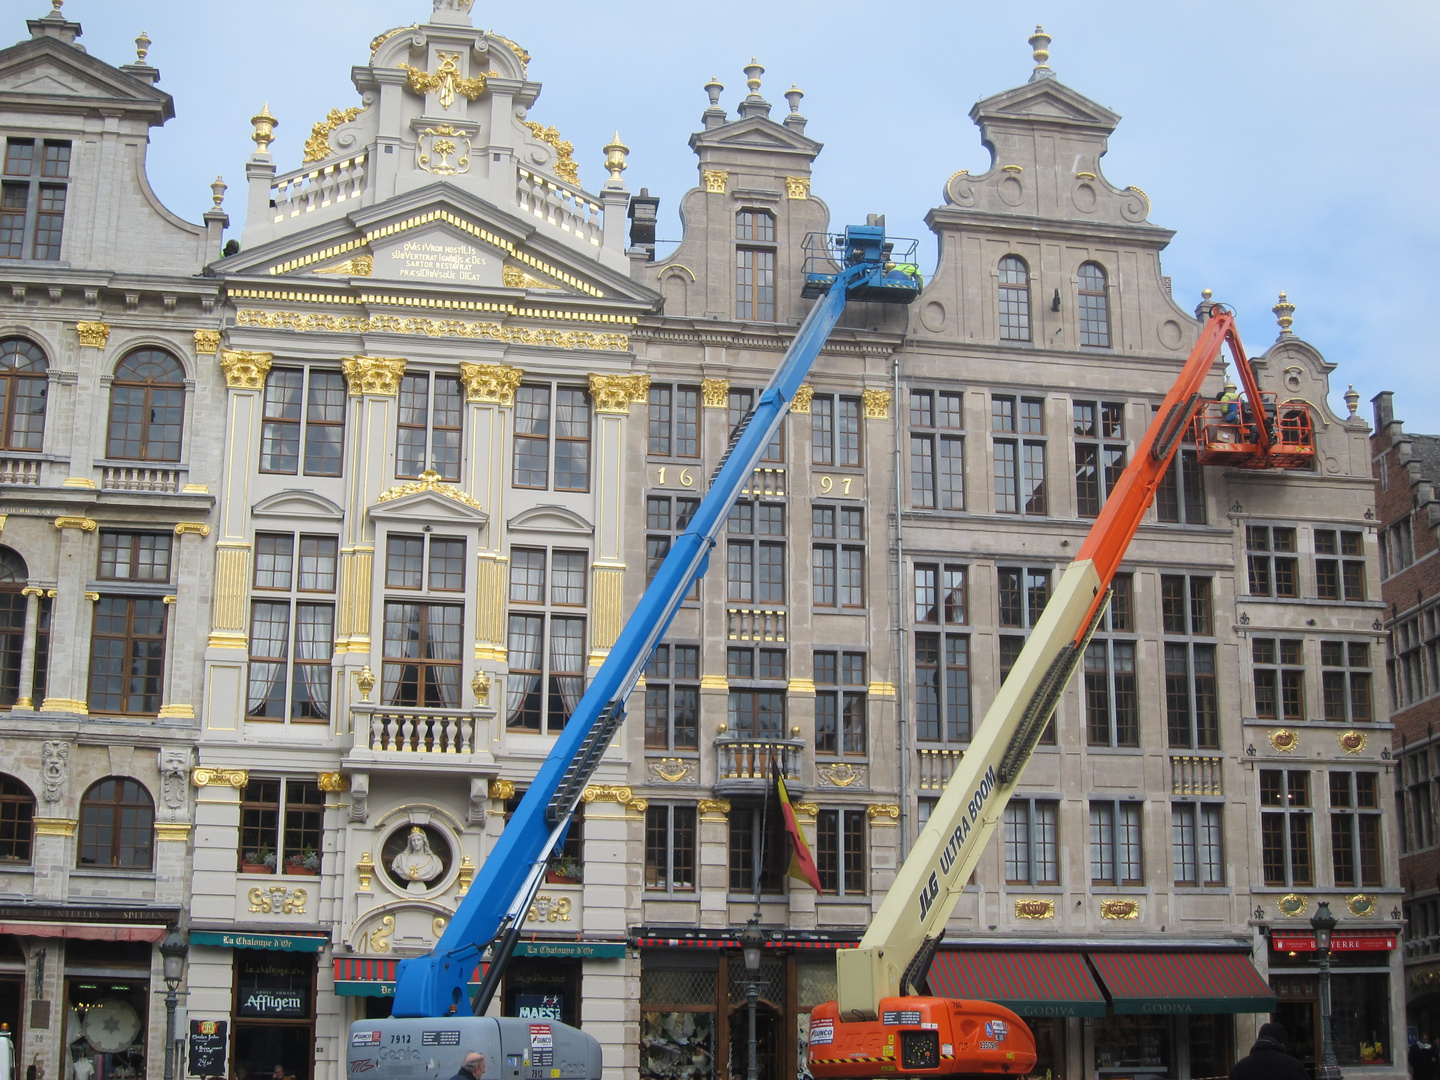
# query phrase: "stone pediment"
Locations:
[[296, 503], [49, 68], [555, 519], [1047, 100], [429, 499], [755, 133]]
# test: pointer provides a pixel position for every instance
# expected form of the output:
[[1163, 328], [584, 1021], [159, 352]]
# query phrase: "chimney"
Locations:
[[1384, 403], [643, 214]]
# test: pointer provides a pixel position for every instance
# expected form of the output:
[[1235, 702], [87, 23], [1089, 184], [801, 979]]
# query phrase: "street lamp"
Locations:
[[752, 940], [1323, 923], [172, 950]]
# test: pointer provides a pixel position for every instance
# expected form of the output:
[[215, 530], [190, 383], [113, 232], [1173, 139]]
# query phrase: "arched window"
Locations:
[[13, 578], [23, 383], [1014, 299], [147, 407], [117, 824], [1094, 306], [755, 265], [17, 814]]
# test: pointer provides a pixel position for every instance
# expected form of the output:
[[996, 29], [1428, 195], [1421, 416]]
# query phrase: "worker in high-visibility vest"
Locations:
[[1231, 399]]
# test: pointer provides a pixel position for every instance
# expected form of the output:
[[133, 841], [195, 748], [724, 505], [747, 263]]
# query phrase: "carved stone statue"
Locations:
[[415, 862], [454, 5]]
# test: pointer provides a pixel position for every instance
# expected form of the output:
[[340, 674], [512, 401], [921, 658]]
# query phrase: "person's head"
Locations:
[[474, 1064], [1424, 1038], [278, 1072], [1274, 1032]]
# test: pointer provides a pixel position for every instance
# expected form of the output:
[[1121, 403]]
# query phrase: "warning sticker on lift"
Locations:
[[997, 1030], [902, 1016], [440, 1038], [822, 1032], [365, 1038], [542, 1045]]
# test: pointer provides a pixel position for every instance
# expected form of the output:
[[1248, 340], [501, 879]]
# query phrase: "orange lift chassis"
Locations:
[[882, 1025]]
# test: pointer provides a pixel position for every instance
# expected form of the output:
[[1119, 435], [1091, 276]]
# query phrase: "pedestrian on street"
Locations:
[[1268, 1058], [1424, 1060], [472, 1068]]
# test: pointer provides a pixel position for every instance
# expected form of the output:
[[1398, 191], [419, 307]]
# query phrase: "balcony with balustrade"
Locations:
[[934, 767], [1196, 774], [401, 738], [744, 764]]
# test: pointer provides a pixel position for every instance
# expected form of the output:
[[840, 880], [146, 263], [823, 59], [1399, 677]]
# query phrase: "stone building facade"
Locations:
[[464, 414], [108, 335]]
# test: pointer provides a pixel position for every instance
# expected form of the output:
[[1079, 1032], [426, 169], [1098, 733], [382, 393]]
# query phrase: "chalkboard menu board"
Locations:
[[207, 1047]]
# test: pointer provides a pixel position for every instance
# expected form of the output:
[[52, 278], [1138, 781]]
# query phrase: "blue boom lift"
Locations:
[[432, 991]]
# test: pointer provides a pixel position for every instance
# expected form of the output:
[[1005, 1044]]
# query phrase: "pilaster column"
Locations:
[[802, 901], [26, 698], [183, 622], [490, 399], [613, 395], [714, 858], [71, 622]]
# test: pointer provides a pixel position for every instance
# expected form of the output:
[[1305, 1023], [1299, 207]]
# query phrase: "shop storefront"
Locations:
[[1360, 1005]]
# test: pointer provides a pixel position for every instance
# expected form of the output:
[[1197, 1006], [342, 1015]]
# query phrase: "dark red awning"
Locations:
[[1166, 982], [1030, 983], [84, 931]]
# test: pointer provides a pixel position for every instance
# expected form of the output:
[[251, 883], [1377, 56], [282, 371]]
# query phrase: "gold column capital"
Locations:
[[207, 342], [620, 793], [714, 810], [877, 811], [93, 335], [365, 868], [494, 383], [176, 712], [331, 781], [54, 826], [716, 393], [195, 528], [715, 180], [84, 524], [616, 393], [203, 777], [176, 831], [30, 590], [797, 187], [502, 789], [378, 375], [804, 395], [877, 404], [245, 370], [65, 705]]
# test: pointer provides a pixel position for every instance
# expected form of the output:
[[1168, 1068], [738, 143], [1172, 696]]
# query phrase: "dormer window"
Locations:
[[32, 198], [755, 266]]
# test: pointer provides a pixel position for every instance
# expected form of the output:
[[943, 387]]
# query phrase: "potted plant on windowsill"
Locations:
[[306, 862], [563, 871], [259, 860]]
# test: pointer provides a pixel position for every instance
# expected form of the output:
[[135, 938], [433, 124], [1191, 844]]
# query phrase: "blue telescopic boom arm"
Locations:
[[437, 984]]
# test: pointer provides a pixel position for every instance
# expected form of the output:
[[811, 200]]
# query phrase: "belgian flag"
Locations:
[[802, 866]]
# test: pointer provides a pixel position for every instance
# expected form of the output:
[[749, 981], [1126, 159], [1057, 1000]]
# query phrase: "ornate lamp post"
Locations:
[[752, 941], [1323, 924], [173, 950]]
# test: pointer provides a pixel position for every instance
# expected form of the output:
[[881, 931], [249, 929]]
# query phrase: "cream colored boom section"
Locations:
[[933, 875]]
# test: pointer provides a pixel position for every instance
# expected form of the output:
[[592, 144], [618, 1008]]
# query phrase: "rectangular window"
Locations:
[[1339, 578], [942, 688], [429, 562], [840, 851], [840, 703], [835, 431], [1397, 548], [1032, 842], [1355, 828], [738, 408], [755, 569], [1345, 681], [303, 421], [1273, 567], [292, 640], [127, 655], [665, 519], [1286, 827], [1279, 679], [672, 698], [757, 839], [1192, 708], [838, 578], [533, 438], [129, 556], [1180, 498], [32, 200], [755, 284], [1197, 840], [670, 848], [1023, 593], [1100, 452], [281, 826], [674, 416], [428, 427], [937, 450], [547, 671], [940, 594], [422, 655], [1111, 715], [1116, 853]]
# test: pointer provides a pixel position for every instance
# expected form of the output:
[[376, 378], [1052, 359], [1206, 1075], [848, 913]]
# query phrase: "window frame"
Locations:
[[14, 379], [1283, 672], [672, 830], [1019, 447], [545, 700], [1190, 642], [148, 408], [1355, 681], [1288, 814], [1014, 324], [1093, 306], [1271, 566], [841, 870], [141, 857], [36, 184], [1132, 872], [134, 645], [756, 258], [837, 431], [664, 421], [1357, 830], [663, 672], [1191, 845], [295, 820], [659, 539], [747, 550], [837, 556], [847, 704], [313, 409], [1025, 842], [1099, 444], [1340, 559], [293, 598], [17, 822], [933, 486], [431, 432], [551, 437]]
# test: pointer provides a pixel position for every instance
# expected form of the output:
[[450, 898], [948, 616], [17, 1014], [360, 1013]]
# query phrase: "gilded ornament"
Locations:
[[176, 712], [495, 383], [93, 335], [465, 876], [245, 370], [92, 596], [549, 909], [841, 774], [797, 187], [207, 342], [308, 322], [615, 152], [1361, 905], [429, 481], [264, 133], [515, 278], [380, 937], [365, 867], [437, 145], [365, 681], [1284, 315], [172, 832], [807, 809], [192, 528], [715, 180], [500, 790], [142, 47], [84, 524], [565, 166], [1352, 742], [672, 770], [331, 781], [379, 375], [881, 689], [446, 81], [1292, 905], [437, 925], [714, 810], [520, 54], [1034, 909], [619, 793], [877, 811], [1120, 909], [359, 266], [317, 147], [54, 826], [380, 39], [877, 404], [480, 687], [616, 393], [277, 898], [1284, 741], [804, 395], [203, 777], [716, 393]]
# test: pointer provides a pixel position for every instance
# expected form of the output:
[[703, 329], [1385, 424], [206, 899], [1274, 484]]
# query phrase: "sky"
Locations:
[[1292, 146]]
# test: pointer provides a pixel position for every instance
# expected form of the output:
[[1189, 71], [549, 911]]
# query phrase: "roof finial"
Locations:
[[1040, 50], [713, 89], [142, 47], [1284, 315], [753, 71], [265, 126], [793, 96], [217, 191], [57, 4], [615, 152], [1352, 401]]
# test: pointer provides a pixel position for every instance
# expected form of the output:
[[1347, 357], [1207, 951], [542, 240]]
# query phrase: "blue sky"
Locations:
[[1291, 145]]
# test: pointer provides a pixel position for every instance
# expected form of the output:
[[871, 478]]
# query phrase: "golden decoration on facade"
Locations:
[[84, 524], [1361, 905], [443, 142], [203, 777], [365, 868], [264, 133], [804, 395], [77, 482], [877, 404], [716, 393], [429, 481], [308, 322], [207, 342], [1292, 905], [176, 712], [1284, 741], [379, 938], [565, 166], [797, 187], [615, 152], [142, 47], [446, 81], [495, 383], [1120, 909], [1284, 312], [671, 769], [881, 689], [877, 811], [245, 370], [378, 375], [277, 898], [93, 335], [616, 393], [317, 147], [192, 528], [841, 773], [520, 54], [170, 832], [715, 181], [54, 826], [619, 793], [500, 790], [92, 596], [549, 909], [515, 278], [359, 266], [480, 687], [365, 681], [1034, 909], [713, 810], [438, 924], [1352, 742], [380, 39], [465, 875], [331, 781]]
